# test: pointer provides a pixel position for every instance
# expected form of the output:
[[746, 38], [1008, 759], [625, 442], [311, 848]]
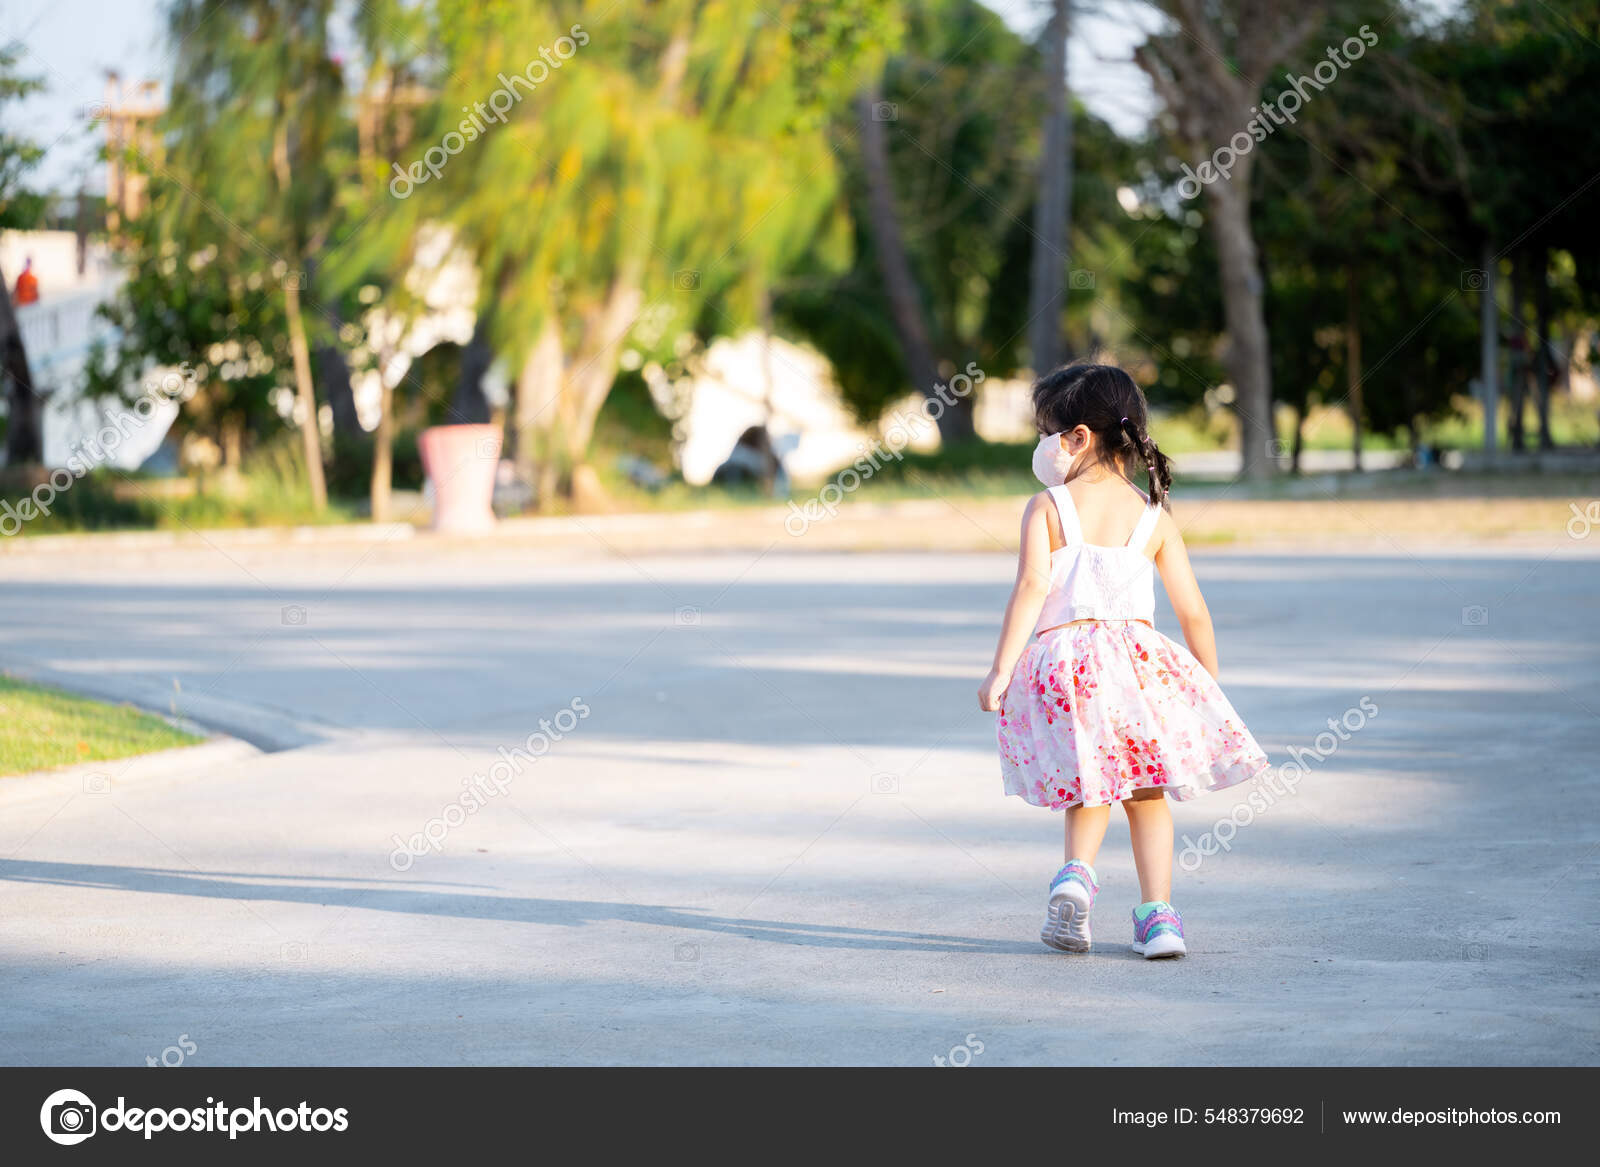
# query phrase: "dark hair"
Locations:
[[1106, 400]]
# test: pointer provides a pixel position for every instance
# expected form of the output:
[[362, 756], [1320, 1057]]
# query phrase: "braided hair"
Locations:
[[1105, 400]]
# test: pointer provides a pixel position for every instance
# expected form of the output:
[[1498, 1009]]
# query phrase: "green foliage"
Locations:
[[186, 303], [962, 158], [675, 138], [245, 170], [694, 165], [19, 207]]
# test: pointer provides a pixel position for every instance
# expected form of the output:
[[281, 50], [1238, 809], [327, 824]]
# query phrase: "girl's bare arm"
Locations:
[[1027, 599], [1183, 591]]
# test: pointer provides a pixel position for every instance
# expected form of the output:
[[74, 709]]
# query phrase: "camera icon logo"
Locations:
[[293, 616], [68, 1117], [687, 616], [489, 448], [1474, 280], [686, 280], [1474, 615], [886, 784], [1277, 448], [1081, 280], [97, 783], [885, 111], [686, 953]]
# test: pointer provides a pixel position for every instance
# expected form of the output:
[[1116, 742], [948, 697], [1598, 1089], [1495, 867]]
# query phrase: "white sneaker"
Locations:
[[1158, 930], [1066, 917]]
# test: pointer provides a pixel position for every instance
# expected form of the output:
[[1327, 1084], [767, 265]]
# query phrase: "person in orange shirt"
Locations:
[[27, 284]]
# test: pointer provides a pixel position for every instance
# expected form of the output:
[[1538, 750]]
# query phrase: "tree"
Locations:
[[889, 247], [939, 195], [1208, 69], [194, 298], [256, 113], [1522, 75], [374, 258], [19, 208], [664, 157], [1053, 210]]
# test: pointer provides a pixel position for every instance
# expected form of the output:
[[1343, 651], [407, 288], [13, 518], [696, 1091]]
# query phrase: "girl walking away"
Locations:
[[1101, 708]]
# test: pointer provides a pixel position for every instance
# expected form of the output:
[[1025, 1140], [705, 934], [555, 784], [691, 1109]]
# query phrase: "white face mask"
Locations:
[[1051, 462]]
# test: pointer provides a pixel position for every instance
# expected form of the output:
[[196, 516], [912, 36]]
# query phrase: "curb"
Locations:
[[102, 777], [264, 730], [220, 537]]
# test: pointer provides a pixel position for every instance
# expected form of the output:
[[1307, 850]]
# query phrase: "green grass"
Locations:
[[42, 729], [270, 492]]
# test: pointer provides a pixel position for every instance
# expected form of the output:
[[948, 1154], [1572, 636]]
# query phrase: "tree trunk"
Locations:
[[1247, 359], [1053, 210], [888, 244], [469, 406], [1489, 353], [305, 392], [80, 225], [1541, 356], [1352, 361], [536, 415], [333, 371], [381, 492], [1298, 442], [585, 390], [24, 435], [230, 439], [1517, 372], [334, 376]]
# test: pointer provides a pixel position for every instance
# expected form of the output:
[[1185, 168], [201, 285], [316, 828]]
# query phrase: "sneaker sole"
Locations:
[[1161, 947], [1066, 921]]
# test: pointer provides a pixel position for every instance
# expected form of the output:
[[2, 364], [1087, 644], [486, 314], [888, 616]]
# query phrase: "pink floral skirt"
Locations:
[[1096, 711]]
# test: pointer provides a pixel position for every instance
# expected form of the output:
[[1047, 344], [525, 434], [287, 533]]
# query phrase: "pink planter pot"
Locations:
[[460, 461]]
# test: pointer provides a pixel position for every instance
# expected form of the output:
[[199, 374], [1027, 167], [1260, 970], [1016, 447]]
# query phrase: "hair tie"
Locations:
[[1133, 432]]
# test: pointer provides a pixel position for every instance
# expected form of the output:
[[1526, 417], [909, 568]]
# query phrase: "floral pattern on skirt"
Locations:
[[1097, 711]]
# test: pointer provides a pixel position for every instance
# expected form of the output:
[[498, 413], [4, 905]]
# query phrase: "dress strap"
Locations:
[[1146, 528], [1071, 528]]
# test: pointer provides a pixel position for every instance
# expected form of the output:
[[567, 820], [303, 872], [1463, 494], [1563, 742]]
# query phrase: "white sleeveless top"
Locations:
[[1091, 582]]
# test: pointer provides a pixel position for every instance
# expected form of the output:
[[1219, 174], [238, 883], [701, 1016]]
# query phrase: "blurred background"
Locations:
[[686, 255]]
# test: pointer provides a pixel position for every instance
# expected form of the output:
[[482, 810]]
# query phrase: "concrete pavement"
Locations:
[[777, 833]]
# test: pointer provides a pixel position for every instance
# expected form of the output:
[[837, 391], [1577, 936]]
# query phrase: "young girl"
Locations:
[[1102, 708]]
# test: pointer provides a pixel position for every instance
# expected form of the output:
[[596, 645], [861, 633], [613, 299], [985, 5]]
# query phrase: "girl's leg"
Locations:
[[1086, 830], [1150, 828]]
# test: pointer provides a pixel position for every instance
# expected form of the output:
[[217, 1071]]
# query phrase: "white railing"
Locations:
[[59, 331]]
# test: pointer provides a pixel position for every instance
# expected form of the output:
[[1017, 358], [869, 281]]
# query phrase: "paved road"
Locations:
[[777, 834]]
